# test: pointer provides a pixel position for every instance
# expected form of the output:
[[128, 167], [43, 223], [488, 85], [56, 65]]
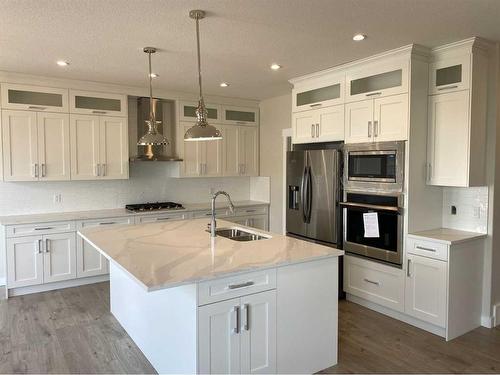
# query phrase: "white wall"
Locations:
[[472, 208], [275, 115]]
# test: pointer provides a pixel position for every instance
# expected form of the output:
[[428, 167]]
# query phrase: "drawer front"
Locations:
[[375, 282], [159, 218], [106, 221], [429, 249], [236, 286], [218, 213], [40, 228], [261, 210]]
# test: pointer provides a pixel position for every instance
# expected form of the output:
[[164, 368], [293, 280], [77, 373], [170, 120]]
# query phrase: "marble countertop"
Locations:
[[168, 254], [448, 236], [108, 213]]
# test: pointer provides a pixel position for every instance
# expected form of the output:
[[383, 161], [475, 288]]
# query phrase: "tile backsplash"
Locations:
[[471, 208]]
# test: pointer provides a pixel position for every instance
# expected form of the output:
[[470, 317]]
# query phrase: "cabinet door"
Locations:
[[187, 112], [53, 146], [425, 295], [24, 261], [248, 148], [59, 261], [231, 165], [98, 103], [303, 127], [451, 74], [20, 146], [259, 222], [390, 120], [258, 333], [1, 150], [191, 155], [318, 93], [359, 121], [84, 134], [34, 98], [113, 148], [448, 137], [240, 115], [331, 124], [219, 338], [211, 158]]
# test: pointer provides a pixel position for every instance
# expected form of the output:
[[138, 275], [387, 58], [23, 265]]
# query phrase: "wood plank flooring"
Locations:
[[72, 331]]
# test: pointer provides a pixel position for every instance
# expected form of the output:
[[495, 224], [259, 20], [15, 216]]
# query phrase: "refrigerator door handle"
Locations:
[[309, 194], [303, 195]]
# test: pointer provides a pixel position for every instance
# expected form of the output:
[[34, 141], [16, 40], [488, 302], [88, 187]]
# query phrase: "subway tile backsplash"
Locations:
[[471, 208]]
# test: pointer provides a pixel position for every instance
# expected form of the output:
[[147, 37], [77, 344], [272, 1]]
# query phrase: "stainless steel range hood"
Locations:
[[165, 112]]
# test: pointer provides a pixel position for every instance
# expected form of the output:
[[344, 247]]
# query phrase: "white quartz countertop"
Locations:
[[108, 213], [168, 254], [448, 236]]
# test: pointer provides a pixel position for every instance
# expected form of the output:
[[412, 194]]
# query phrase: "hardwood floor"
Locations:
[[72, 331]]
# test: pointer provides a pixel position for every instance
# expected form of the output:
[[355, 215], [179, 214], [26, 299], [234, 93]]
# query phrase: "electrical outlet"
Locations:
[[58, 198], [477, 212], [453, 210]]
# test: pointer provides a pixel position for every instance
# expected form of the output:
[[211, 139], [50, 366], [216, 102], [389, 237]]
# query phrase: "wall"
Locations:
[[472, 208], [275, 115]]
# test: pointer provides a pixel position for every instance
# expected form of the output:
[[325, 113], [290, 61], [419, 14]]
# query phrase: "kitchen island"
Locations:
[[196, 304]]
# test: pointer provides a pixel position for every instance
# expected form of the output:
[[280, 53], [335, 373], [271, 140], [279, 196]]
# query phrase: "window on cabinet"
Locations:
[[449, 75], [377, 82], [36, 98], [318, 95], [88, 102]]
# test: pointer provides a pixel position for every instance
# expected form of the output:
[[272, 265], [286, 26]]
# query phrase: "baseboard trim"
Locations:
[[57, 285], [496, 315], [487, 321], [397, 315]]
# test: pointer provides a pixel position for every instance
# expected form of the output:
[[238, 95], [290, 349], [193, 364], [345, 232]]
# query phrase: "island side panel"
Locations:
[[307, 316], [162, 323]]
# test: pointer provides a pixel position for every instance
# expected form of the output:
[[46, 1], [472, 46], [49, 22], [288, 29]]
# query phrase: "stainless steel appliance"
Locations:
[[387, 243], [158, 206], [313, 183], [374, 166]]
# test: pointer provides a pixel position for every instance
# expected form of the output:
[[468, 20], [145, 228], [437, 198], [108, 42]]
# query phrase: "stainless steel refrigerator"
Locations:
[[313, 184]]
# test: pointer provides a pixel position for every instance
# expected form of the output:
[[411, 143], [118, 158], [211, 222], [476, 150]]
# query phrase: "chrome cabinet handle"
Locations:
[[242, 285], [244, 167], [39, 246], [44, 228], [241, 122], [408, 268], [104, 169], [250, 210], [99, 112], [369, 129], [96, 172], [447, 88], [44, 170], [312, 130], [236, 328], [36, 107], [425, 248], [246, 323], [374, 93], [36, 170], [33, 170], [47, 242], [375, 128], [163, 218], [316, 105], [372, 282], [317, 130], [107, 223]]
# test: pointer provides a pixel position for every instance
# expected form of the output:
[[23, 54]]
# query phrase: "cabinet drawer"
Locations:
[[41, 228], [261, 210], [106, 221], [374, 282], [218, 213], [429, 249], [236, 286], [158, 218]]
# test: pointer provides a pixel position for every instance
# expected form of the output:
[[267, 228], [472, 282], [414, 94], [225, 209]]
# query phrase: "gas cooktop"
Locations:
[[158, 206]]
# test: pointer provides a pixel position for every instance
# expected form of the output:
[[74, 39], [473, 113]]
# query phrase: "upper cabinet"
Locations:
[[377, 80], [456, 152], [187, 112], [318, 93], [322, 125], [98, 103], [240, 115], [34, 98]]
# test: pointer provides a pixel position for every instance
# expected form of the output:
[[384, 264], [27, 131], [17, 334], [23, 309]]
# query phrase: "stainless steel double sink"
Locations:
[[238, 234]]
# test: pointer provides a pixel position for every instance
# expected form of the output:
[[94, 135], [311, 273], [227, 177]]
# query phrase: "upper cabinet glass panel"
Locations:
[[190, 111], [305, 98], [98, 103], [240, 115], [318, 92], [449, 75], [34, 98], [377, 82]]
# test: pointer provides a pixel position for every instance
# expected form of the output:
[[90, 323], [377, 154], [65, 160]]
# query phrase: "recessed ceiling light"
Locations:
[[275, 66], [224, 84], [62, 63], [359, 37], [154, 75]]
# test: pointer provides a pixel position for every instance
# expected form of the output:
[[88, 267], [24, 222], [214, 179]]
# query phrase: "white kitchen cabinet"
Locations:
[[450, 74], [59, 258], [318, 93], [187, 112], [1, 149], [24, 261], [34, 98], [248, 151], [97, 103], [232, 115], [159, 217], [377, 120], [230, 150], [425, 294], [238, 335], [318, 125], [99, 147], [36, 146], [254, 221]]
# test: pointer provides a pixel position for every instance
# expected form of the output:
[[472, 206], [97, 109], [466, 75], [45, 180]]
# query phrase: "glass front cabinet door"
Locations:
[[232, 115], [318, 93], [98, 103], [449, 75], [187, 112], [34, 98]]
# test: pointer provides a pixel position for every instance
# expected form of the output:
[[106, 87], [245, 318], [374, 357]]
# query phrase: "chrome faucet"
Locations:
[[213, 223]]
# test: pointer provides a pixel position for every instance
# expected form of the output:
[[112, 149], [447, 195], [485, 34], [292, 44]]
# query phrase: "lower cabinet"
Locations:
[[35, 260], [255, 221], [238, 335]]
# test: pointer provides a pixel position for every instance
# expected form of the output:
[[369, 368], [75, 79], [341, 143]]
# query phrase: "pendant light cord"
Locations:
[[198, 48], [152, 115]]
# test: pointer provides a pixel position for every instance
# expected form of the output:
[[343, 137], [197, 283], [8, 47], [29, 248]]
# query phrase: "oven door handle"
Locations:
[[397, 210]]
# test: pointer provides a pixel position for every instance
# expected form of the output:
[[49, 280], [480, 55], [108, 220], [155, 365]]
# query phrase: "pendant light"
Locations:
[[152, 136], [201, 131]]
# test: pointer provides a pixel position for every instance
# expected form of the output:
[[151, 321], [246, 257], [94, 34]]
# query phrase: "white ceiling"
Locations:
[[103, 39]]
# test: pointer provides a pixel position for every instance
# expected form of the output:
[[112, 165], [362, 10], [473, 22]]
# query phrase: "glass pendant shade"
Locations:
[[201, 130]]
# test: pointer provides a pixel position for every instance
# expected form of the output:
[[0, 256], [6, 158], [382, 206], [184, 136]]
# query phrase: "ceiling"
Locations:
[[103, 39]]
